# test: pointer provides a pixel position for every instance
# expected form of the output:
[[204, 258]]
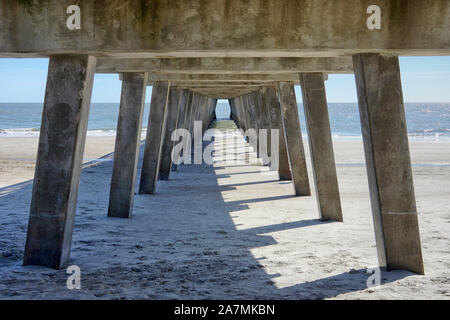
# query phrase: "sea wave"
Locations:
[[34, 132]]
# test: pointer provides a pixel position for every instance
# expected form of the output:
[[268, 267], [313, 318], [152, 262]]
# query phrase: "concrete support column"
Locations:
[[294, 141], [249, 102], [126, 152], [155, 131], [265, 120], [321, 146], [184, 99], [58, 164], [276, 122], [241, 115], [171, 124], [388, 161], [256, 110], [234, 113]]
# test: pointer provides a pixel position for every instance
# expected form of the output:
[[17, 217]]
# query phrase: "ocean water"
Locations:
[[425, 121]]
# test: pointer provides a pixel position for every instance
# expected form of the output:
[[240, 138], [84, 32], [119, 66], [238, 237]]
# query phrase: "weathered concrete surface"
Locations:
[[321, 146], [293, 136], [184, 99], [274, 65], [171, 124], [153, 142], [276, 122], [126, 152], [224, 93], [60, 153], [220, 77], [254, 99], [158, 28], [388, 162], [218, 84], [265, 123]]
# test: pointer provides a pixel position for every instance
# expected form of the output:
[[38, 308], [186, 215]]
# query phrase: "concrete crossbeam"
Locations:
[[222, 66], [197, 28]]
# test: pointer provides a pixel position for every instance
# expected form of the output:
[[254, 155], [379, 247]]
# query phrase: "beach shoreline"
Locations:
[[18, 154]]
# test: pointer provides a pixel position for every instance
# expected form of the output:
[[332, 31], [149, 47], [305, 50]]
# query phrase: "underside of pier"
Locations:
[[252, 53]]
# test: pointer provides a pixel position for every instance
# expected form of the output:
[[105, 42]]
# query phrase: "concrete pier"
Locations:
[[388, 162], [294, 141], [321, 146], [128, 138], [171, 124], [153, 142], [58, 164], [276, 122]]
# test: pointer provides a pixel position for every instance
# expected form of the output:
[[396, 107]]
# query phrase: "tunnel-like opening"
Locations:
[[223, 110]]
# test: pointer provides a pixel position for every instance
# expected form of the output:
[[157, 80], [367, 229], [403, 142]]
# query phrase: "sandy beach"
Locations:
[[224, 232]]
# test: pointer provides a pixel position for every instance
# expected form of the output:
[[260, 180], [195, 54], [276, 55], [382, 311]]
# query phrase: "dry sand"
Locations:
[[224, 232]]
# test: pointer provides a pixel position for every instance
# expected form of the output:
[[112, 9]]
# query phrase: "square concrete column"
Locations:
[[321, 146], [234, 115], [155, 131], [128, 138], [293, 136], [265, 122], [276, 123], [388, 161], [171, 124], [250, 104], [238, 104], [184, 99], [255, 105], [58, 164], [239, 107]]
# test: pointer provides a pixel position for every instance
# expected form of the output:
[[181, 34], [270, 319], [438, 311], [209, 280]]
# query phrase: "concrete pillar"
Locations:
[[388, 161], [256, 109], [265, 121], [184, 99], [241, 115], [185, 120], [171, 124], [294, 141], [59, 159], [249, 102], [234, 112], [276, 122], [155, 131], [128, 138], [321, 146]]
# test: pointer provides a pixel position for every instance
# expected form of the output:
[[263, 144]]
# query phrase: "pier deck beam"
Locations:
[[294, 141], [321, 146], [126, 152], [276, 123], [153, 143], [59, 159], [171, 123], [388, 162]]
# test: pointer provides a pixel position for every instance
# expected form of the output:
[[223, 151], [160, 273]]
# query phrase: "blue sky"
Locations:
[[424, 79]]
